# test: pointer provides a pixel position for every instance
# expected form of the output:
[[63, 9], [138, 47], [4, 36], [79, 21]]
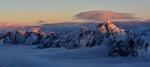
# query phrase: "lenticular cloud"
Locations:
[[42, 21], [103, 15]]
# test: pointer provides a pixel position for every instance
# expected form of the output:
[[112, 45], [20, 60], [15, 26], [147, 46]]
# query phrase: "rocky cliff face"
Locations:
[[20, 37], [13, 37]]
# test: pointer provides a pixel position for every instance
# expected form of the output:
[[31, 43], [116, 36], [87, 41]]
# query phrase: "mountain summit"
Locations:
[[37, 30]]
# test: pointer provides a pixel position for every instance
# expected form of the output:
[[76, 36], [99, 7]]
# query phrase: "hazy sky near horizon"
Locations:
[[32, 11]]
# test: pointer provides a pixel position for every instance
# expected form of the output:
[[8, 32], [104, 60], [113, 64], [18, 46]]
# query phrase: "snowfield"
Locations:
[[29, 56]]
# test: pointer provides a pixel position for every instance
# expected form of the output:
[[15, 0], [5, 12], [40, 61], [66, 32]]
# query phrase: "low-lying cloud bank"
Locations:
[[100, 15]]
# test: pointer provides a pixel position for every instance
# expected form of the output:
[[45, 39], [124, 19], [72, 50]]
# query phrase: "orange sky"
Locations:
[[31, 11]]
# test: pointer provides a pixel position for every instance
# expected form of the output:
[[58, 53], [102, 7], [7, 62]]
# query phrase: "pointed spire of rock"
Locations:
[[37, 30]]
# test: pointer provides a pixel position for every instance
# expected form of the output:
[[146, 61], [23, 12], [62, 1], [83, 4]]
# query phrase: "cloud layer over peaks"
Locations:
[[100, 15]]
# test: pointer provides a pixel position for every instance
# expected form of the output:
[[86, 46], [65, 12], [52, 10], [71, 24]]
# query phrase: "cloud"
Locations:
[[8, 23], [41, 21], [100, 15]]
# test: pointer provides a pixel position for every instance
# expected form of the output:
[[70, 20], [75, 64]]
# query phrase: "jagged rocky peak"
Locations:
[[48, 40], [13, 37], [52, 34], [110, 27], [84, 29], [21, 32], [2, 35], [37, 30], [101, 29]]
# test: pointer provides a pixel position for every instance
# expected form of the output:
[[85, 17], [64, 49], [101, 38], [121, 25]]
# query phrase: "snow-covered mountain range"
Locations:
[[119, 42]]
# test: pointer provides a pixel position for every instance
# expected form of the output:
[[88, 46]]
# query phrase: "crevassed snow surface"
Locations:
[[29, 56]]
